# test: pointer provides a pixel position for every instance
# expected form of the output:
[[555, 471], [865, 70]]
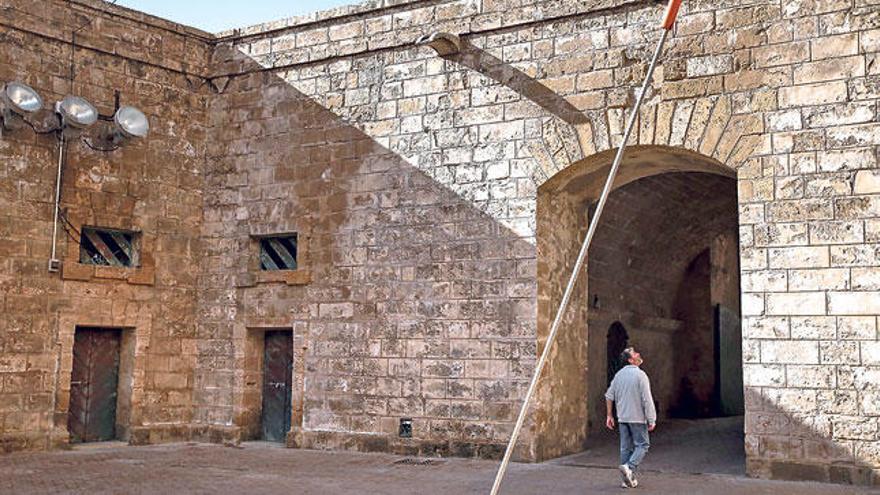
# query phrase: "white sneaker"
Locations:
[[635, 482], [623, 484], [628, 478]]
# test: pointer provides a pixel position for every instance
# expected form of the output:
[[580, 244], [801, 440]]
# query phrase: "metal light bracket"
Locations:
[[443, 43]]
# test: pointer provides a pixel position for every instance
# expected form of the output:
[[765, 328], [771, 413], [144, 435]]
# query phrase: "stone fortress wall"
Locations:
[[438, 200]]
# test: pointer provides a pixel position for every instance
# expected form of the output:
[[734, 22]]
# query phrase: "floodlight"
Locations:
[[76, 112], [17, 100], [131, 122], [21, 98]]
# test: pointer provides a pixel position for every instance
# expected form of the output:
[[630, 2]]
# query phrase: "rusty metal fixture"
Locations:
[[278, 252], [443, 43], [108, 247]]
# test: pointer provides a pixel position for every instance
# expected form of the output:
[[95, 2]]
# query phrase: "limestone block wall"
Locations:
[[782, 92], [408, 302], [560, 408], [151, 186], [415, 179]]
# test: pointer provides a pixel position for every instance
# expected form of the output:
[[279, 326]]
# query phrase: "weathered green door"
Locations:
[[93, 385], [277, 375]]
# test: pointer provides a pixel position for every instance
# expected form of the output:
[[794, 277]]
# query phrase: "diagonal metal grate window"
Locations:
[[108, 247], [278, 253]]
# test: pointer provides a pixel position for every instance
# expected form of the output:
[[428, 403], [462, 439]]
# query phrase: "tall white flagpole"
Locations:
[[668, 22]]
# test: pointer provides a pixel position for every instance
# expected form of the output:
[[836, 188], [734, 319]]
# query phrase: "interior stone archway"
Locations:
[[664, 256]]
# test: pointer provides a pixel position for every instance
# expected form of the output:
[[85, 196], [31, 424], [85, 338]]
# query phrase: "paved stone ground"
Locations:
[[704, 446], [259, 468]]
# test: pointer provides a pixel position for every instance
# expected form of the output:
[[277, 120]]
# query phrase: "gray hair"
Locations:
[[627, 354]]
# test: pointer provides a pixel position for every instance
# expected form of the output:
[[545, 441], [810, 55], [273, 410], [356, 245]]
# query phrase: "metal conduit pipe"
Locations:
[[54, 262]]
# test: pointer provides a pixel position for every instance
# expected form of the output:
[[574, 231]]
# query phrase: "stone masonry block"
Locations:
[[829, 70], [836, 232], [766, 327], [821, 279], [765, 281], [854, 303], [794, 400], [763, 375], [855, 428], [797, 303], [867, 182], [848, 136], [709, 66], [752, 304], [798, 257], [839, 353], [866, 278], [837, 160], [790, 351], [811, 376], [855, 255], [813, 327], [834, 46], [870, 403], [857, 327], [870, 353], [838, 115], [812, 94], [782, 54]]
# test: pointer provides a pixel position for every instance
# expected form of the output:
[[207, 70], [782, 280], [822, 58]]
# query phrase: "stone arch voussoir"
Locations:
[[705, 126]]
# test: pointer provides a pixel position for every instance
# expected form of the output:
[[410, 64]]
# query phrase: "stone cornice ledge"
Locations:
[[539, 10], [305, 20], [305, 41]]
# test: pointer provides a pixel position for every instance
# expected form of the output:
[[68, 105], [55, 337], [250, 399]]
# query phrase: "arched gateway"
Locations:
[[664, 255]]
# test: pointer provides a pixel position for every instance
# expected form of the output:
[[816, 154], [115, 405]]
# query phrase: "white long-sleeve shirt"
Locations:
[[631, 391]]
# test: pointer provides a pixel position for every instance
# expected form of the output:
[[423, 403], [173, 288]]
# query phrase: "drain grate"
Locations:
[[416, 461]]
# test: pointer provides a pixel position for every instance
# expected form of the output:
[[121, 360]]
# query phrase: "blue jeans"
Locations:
[[634, 444]]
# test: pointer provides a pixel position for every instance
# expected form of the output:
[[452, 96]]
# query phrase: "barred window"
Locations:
[[278, 252], [108, 247]]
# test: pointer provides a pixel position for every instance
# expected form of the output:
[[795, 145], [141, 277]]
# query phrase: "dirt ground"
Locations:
[[261, 468]]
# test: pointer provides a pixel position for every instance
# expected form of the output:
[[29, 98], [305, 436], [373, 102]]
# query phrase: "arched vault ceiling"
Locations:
[[652, 228], [584, 180]]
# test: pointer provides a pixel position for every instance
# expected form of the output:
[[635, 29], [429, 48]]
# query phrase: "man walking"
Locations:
[[631, 391]]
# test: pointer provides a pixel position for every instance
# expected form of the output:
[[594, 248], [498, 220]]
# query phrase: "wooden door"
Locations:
[[93, 385], [277, 377]]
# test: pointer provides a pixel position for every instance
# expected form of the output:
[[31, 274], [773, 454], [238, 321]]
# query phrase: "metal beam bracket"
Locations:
[[443, 43]]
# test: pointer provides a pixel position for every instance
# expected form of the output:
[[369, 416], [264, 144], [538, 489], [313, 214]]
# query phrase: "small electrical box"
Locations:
[[405, 428]]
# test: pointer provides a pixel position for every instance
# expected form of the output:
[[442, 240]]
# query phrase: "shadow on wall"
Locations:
[[419, 306], [616, 340], [786, 439], [487, 64], [694, 362]]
